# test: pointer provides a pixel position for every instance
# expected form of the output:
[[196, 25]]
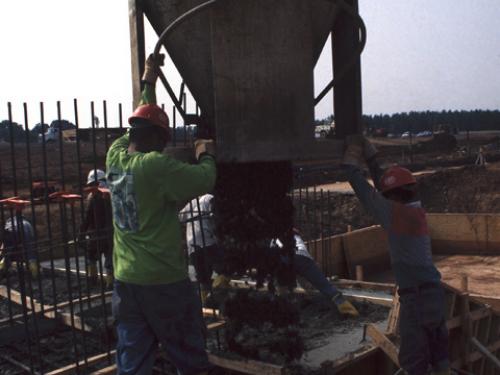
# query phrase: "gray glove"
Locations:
[[204, 146], [152, 68], [353, 154]]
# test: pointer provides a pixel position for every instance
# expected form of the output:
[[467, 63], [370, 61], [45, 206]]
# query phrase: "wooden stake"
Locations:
[[383, 342], [464, 283]]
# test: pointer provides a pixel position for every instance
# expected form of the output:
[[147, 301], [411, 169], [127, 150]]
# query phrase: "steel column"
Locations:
[[347, 92], [137, 47]]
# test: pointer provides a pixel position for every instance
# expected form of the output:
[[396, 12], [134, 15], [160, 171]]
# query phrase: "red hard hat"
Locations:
[[395, 177], [152, 113]]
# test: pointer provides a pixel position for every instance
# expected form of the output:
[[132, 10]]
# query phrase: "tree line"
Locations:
[[430, 120]]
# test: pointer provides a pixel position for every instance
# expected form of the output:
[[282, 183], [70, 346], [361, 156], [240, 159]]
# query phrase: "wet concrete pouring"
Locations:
[[300, 331]]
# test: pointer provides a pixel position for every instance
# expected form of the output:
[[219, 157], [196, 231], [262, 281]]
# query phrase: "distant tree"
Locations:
[[62, 124], [10, 129], [39, 128]]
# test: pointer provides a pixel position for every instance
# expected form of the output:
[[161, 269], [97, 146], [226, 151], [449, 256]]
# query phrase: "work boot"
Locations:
[[33, 267], [92, 273], [221, 282], [108, 280]]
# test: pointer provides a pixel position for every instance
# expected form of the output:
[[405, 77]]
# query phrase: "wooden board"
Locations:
[[383, 342], [242, 366], [476, 234], [369, 248], [246, 366], [329, 255], [70, 369]]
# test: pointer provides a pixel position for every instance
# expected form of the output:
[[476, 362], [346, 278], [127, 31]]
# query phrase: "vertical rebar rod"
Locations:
[[120, 115], [32, 200], [18, 229], [67, 263], [81, 193], [78, 281], [61, 147], [105, 112], [2, 230], [24, 240], [12, 150], [99, 254], [47, 210]]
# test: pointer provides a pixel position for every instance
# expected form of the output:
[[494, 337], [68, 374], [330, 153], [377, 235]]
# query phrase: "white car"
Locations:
[[405, 135]]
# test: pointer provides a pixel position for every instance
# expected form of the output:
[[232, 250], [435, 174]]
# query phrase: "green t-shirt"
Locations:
[[146, 189]]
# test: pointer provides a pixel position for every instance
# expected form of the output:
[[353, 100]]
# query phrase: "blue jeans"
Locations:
[[307, 268], [169, 314], [424, 336]]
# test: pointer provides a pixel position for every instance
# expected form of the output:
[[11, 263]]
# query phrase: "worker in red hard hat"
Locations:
[[397, 208], [153, 298]]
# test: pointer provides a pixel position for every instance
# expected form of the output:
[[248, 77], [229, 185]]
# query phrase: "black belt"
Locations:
[[417, 289]]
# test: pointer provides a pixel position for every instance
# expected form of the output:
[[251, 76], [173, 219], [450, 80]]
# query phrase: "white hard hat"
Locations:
[[97, 175]]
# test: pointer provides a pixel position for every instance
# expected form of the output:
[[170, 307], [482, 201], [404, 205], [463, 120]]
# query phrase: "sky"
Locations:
[[420, 55]]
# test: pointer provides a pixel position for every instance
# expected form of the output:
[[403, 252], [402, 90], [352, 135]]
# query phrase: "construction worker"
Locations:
[[209, 257], [204, 254], [153, 298], [97, 227], [305, 266], [17, 246], [396, 206]]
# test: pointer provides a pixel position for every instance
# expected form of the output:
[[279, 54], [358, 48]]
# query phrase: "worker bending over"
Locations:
[[204, 253], [305, 266], [153, 299], [17, 246], [97, 227], [396, 206], [207, 256]]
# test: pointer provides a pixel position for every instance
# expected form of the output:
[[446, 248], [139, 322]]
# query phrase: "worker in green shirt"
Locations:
[[153, 299]]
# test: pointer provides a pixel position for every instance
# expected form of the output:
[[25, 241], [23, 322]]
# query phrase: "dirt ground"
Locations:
[[468, 189]]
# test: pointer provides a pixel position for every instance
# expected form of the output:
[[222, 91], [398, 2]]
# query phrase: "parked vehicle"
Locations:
[[321, 131], [425, 133], [52, 135], [405, 135]]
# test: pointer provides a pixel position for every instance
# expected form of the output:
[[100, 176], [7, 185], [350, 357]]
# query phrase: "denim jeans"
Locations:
[[169, 314], [423, 331], [307, 268]]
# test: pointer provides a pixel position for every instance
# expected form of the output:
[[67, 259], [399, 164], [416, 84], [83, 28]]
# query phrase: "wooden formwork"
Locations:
[[462, 244], [473, 326]]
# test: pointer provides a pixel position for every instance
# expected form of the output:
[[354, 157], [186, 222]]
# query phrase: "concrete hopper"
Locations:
[[249, 65]]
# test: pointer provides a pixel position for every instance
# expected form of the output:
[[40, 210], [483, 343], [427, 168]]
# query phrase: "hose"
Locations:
[[178, 21]]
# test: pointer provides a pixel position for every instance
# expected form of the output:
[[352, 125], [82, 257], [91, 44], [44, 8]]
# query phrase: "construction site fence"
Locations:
[[55, 296]]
